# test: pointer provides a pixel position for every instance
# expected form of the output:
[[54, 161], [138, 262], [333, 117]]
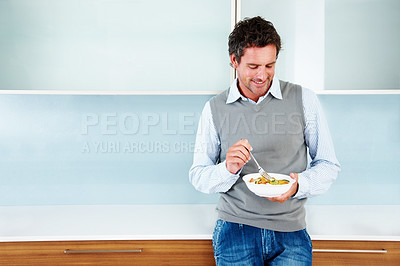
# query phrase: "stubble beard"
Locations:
[[259, 91]]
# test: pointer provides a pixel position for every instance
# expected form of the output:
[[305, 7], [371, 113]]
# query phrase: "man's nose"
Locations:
[[262, 73]]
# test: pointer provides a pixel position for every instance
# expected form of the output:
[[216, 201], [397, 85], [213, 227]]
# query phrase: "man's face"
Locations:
[[255, 70]]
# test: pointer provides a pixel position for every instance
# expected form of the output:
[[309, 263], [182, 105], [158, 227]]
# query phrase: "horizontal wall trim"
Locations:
[[83, 92], [65, 92], [356, 92]]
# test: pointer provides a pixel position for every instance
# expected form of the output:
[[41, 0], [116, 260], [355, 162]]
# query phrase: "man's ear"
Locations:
[[234, 62]]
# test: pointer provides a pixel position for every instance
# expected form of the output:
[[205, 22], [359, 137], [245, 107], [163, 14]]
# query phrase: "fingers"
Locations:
[[294, 176], [281, 199], [245, 143], [240, 151], [293, 189], [238, 155]]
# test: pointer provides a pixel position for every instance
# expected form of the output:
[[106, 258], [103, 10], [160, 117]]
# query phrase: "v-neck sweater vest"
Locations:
[[274, 128]]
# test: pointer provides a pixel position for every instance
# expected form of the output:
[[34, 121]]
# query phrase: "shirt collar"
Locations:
[[234, 93]]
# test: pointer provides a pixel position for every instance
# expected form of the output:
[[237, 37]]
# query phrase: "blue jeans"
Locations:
[[239, 244]]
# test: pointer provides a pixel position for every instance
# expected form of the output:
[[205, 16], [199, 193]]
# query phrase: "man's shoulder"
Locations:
[[221, 97], [289, 89], [305, 91], [288, 85]]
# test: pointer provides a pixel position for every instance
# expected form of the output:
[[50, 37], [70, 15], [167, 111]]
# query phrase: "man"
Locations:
[[279, 122]]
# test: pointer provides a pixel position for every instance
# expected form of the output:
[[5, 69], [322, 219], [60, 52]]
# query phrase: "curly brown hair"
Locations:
[[252, 32]]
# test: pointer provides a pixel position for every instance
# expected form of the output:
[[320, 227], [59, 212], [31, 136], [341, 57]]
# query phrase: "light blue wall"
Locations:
[[98, 149], [48, 151], [70, 149], [362, 44], [349, 44], [114, 45], [366, 133]]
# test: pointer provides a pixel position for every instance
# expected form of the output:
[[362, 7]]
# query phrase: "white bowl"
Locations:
[[268, 190]]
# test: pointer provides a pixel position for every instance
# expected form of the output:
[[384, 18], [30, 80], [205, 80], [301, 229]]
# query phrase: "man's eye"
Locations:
[[252, 67]]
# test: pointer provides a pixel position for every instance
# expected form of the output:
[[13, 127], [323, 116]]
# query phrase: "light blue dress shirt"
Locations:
[[208, 176]]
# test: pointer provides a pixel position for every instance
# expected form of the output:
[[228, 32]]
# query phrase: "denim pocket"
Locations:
[[217, 232], [307, 238]]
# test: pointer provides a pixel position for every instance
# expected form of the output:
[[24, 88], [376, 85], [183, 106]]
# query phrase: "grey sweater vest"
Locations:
[[274, 128]]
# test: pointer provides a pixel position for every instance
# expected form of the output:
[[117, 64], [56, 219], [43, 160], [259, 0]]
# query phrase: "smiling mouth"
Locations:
[[259, 82]]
